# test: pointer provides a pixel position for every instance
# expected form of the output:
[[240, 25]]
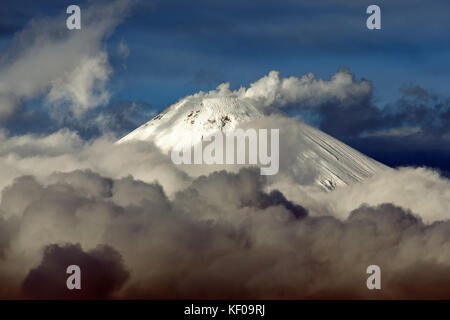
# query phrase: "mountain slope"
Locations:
[[187, 121]]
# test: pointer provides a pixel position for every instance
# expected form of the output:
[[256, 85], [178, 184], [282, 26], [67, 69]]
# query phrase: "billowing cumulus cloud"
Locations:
[[223, 236], [422, 190], [65, 151], [308, 91], [305, 92]]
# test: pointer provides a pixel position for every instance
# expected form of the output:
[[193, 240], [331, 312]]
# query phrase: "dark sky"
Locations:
[[178, 47]]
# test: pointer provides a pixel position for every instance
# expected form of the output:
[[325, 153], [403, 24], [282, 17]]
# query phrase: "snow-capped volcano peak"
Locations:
[[186, 122]]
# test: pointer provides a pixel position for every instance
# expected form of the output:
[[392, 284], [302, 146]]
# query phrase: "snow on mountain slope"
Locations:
[[187, 121]]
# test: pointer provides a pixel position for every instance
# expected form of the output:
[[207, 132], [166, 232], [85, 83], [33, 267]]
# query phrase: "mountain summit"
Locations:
[[190, 119]]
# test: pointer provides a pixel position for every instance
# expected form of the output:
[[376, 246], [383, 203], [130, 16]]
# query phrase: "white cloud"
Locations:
[[421, 190], [84, 87], [70, 66], [303, 93], [64, 151]]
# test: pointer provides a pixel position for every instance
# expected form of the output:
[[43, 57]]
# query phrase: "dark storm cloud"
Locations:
[[247, 192], [418, 109], [414, 130], [102, 273], [421, 107], [6, 230], [221, 237]]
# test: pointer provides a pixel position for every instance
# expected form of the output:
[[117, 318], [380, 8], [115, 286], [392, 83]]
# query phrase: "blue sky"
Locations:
[[171, 42], [180, 47]]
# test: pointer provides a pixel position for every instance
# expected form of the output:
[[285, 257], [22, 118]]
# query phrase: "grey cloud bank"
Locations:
[[221, 237], [175, 233]]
